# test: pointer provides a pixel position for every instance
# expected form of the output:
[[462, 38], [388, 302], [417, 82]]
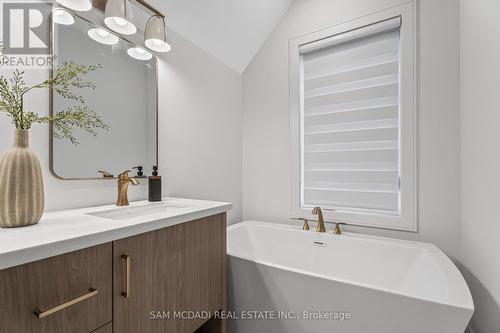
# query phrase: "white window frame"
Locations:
[[407, 218]]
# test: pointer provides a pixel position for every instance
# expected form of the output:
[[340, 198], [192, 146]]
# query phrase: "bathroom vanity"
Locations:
[[142, 268], [147, 267]]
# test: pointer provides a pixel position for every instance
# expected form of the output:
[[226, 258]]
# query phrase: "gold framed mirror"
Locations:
[[126, 97]]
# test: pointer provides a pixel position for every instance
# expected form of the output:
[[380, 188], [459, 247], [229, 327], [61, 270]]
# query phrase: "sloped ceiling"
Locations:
[[231, 30]]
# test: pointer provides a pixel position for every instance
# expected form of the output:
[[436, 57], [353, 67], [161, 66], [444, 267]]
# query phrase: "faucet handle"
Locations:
[[124, 177], [337, 230], [124, 174], [306, 222], [106, 174]]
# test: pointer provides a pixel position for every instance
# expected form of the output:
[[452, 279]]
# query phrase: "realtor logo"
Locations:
[[26, 27]]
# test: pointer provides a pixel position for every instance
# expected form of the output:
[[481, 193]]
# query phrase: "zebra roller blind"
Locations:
[[350, 120]]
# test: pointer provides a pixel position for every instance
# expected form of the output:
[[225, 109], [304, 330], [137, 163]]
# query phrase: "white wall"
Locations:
[[200, 126], [200, 135], [480, 116], [266, 138]]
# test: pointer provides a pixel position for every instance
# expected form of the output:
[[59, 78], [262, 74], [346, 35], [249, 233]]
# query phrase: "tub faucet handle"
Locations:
[[306, 223], [337, 230]]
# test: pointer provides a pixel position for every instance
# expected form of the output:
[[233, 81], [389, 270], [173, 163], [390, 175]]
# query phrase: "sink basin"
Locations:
[[138, 211]]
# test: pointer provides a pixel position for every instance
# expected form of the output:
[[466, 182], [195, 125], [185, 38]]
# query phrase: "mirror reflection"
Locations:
[[125, 97]]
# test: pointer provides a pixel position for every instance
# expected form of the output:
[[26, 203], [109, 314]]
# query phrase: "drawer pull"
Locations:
[[126, 293], [92, 292]]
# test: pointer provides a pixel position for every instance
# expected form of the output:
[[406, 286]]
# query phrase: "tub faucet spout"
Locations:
[[321, 222]]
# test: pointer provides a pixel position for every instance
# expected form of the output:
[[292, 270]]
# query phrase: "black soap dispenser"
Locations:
[[154, 194], [140, 174]]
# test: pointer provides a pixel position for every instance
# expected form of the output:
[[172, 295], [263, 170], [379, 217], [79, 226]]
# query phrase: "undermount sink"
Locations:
[[138, 211]]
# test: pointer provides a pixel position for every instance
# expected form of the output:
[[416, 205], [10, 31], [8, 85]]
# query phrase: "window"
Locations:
[[354, 121]]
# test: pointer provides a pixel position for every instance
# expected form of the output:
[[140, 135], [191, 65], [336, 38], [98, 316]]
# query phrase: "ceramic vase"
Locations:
[[21, 184]]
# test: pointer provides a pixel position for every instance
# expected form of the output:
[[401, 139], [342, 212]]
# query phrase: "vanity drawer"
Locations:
[[105, 329], [70, 293]]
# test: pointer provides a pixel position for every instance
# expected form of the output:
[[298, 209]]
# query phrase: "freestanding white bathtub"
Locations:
[[283, 279]]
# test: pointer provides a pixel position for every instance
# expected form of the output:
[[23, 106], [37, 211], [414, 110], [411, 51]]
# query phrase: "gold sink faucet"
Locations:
[[321, 222], [123, 181]]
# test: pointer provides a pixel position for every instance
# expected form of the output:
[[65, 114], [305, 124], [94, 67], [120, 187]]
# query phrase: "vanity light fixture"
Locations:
[[118, 17], [63, 17], [78, 5], [102, 36], [139, 53], [155, 34]]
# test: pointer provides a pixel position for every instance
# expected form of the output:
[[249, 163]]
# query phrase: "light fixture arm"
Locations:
[[101, 5], [150, 8]]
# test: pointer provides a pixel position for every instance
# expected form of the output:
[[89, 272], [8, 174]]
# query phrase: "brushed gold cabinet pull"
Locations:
[[92, 292], [126, 293]]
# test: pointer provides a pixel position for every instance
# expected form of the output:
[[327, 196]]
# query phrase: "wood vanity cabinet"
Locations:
[[108, 328], [45, 285], [172, 271], [117, 286]]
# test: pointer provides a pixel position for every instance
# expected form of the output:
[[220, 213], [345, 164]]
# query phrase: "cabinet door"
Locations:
[[180, 268], [204, 269], [70, 293]]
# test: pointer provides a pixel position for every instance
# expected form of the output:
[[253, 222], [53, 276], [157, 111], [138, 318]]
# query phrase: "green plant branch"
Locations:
[[11, 97], [68, 77], [77, 116]]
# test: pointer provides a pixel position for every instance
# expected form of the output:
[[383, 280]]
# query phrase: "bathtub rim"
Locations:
[[454, 277]]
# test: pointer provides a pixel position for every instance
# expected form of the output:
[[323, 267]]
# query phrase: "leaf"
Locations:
[[78, 116], [68, 77]]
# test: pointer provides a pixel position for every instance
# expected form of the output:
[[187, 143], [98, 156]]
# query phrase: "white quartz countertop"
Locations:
[[70, 230]]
